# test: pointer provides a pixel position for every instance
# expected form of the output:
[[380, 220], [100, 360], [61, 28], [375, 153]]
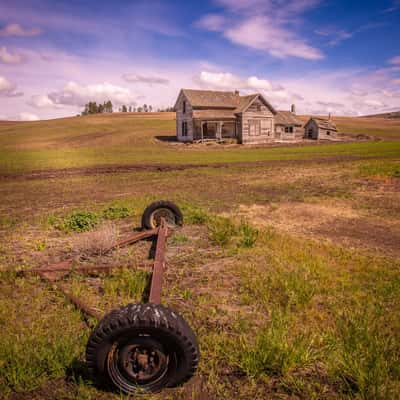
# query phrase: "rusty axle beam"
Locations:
[[159, 264]]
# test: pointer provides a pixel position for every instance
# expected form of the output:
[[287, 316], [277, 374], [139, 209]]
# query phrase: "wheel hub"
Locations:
[[165, 213]]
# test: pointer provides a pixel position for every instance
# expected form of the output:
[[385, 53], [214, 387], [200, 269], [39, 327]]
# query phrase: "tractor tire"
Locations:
[[153, 213], [142, 347]]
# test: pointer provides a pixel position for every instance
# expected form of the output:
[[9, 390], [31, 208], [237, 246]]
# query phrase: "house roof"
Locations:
[[324, 123], [214, 114], [213, 99], [287, 118]]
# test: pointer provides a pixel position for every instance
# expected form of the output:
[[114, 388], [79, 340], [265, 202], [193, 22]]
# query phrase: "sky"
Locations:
[[340, 57]]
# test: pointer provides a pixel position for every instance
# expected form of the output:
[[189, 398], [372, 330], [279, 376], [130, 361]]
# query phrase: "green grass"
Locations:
[[108, 140]]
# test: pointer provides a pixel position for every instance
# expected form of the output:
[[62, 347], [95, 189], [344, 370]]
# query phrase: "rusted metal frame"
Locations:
[[68, 269], [70, 297], [133, 239], [67, 265], [159, 264]]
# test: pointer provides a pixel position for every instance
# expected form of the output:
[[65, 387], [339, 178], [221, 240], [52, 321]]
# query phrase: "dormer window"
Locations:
[[184, 106]]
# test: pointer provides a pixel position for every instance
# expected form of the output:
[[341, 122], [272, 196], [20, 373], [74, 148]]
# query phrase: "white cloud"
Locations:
[[75, 94], [27, 116], [227, 81], [18, 30], [7, 57], [149, 79], [8, 89], [262, 34], [395, 60], [211, 22], [41, 101], [266, 26]]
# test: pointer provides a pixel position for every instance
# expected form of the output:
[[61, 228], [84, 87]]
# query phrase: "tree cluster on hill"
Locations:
[[93, 108], [107, 107]]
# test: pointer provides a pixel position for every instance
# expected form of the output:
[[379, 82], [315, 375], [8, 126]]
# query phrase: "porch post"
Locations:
[[202, 135], [220, 123]]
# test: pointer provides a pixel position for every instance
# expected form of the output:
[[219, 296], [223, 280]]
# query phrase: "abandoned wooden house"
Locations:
[[214, 115], [320, 128]]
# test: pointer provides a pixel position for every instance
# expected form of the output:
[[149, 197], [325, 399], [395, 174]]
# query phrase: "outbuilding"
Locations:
[[320, 129]]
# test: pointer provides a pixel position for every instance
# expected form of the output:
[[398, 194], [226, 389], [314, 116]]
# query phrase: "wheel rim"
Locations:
[[138, 363], [166, 213]]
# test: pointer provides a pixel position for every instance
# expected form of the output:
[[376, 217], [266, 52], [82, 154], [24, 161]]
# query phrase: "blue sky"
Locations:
[[341, 57]]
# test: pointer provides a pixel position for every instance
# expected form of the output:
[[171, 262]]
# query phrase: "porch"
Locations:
[[206, 130]]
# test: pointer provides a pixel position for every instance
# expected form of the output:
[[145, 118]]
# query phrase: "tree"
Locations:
[[123, 108], [139, 109], [109, 107], [145, 108], [150, 108], [130, 108], [100, 108]]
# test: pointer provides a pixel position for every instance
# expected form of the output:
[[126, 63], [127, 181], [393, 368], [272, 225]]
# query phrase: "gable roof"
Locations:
[[286, 118], [211, 98], [222, 100], [323, 123]]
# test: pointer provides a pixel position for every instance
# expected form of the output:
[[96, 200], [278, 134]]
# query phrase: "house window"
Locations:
[[254, 127], [328, 133], [289, 129], [184, 128], [184, 106]]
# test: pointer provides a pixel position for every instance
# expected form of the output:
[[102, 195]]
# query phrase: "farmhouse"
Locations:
[[320, 128], [215, 115]]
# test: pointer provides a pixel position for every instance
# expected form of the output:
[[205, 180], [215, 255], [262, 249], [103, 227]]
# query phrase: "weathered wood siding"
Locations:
[[326, 134], [313, 131], [258, 111], [181, 117], [281, 134]]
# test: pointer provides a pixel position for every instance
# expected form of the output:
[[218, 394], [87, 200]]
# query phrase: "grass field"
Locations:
[[287, 266]]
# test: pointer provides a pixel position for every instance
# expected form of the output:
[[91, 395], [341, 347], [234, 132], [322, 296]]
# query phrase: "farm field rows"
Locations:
[[287, 266]]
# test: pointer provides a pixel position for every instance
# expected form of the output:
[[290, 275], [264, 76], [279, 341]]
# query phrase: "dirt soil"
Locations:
[[125, 168], [337, 223]]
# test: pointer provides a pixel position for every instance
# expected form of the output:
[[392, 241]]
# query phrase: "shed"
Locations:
[[320, 128]]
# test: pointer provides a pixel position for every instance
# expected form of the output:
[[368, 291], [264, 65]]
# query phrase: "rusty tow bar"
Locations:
[[141, 346]]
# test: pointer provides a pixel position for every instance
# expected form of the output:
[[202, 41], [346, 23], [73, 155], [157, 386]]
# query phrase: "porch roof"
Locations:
[[214, 114]]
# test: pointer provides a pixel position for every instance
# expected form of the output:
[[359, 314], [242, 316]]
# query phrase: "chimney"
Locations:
[[293, 109], [330, 116], [237, 92]]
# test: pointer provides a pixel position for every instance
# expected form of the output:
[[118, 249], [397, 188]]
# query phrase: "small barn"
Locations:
[[320, 129], [288, 126]]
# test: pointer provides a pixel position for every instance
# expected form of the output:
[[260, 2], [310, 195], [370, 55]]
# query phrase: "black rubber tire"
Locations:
[[161, 204], [138, 323]]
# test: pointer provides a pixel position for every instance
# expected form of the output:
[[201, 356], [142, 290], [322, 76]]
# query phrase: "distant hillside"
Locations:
[[394, 114]]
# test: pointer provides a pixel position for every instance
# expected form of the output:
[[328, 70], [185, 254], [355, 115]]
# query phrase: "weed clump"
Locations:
[[248, 235], [115, 212], [97, 242], [221, 230], [79, 221]]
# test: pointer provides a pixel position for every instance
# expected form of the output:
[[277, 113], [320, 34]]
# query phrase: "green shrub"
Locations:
[[114, 212], [248, 235], [220, 230], [80, 221]]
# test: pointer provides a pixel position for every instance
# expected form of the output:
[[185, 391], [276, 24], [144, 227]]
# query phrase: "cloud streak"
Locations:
[[265, 26], [8, 89], [18, 30], [149, 79], [7, 57]]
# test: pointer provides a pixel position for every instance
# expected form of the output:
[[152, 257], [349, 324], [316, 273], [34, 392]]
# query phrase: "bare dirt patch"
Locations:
[[337, 223]]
